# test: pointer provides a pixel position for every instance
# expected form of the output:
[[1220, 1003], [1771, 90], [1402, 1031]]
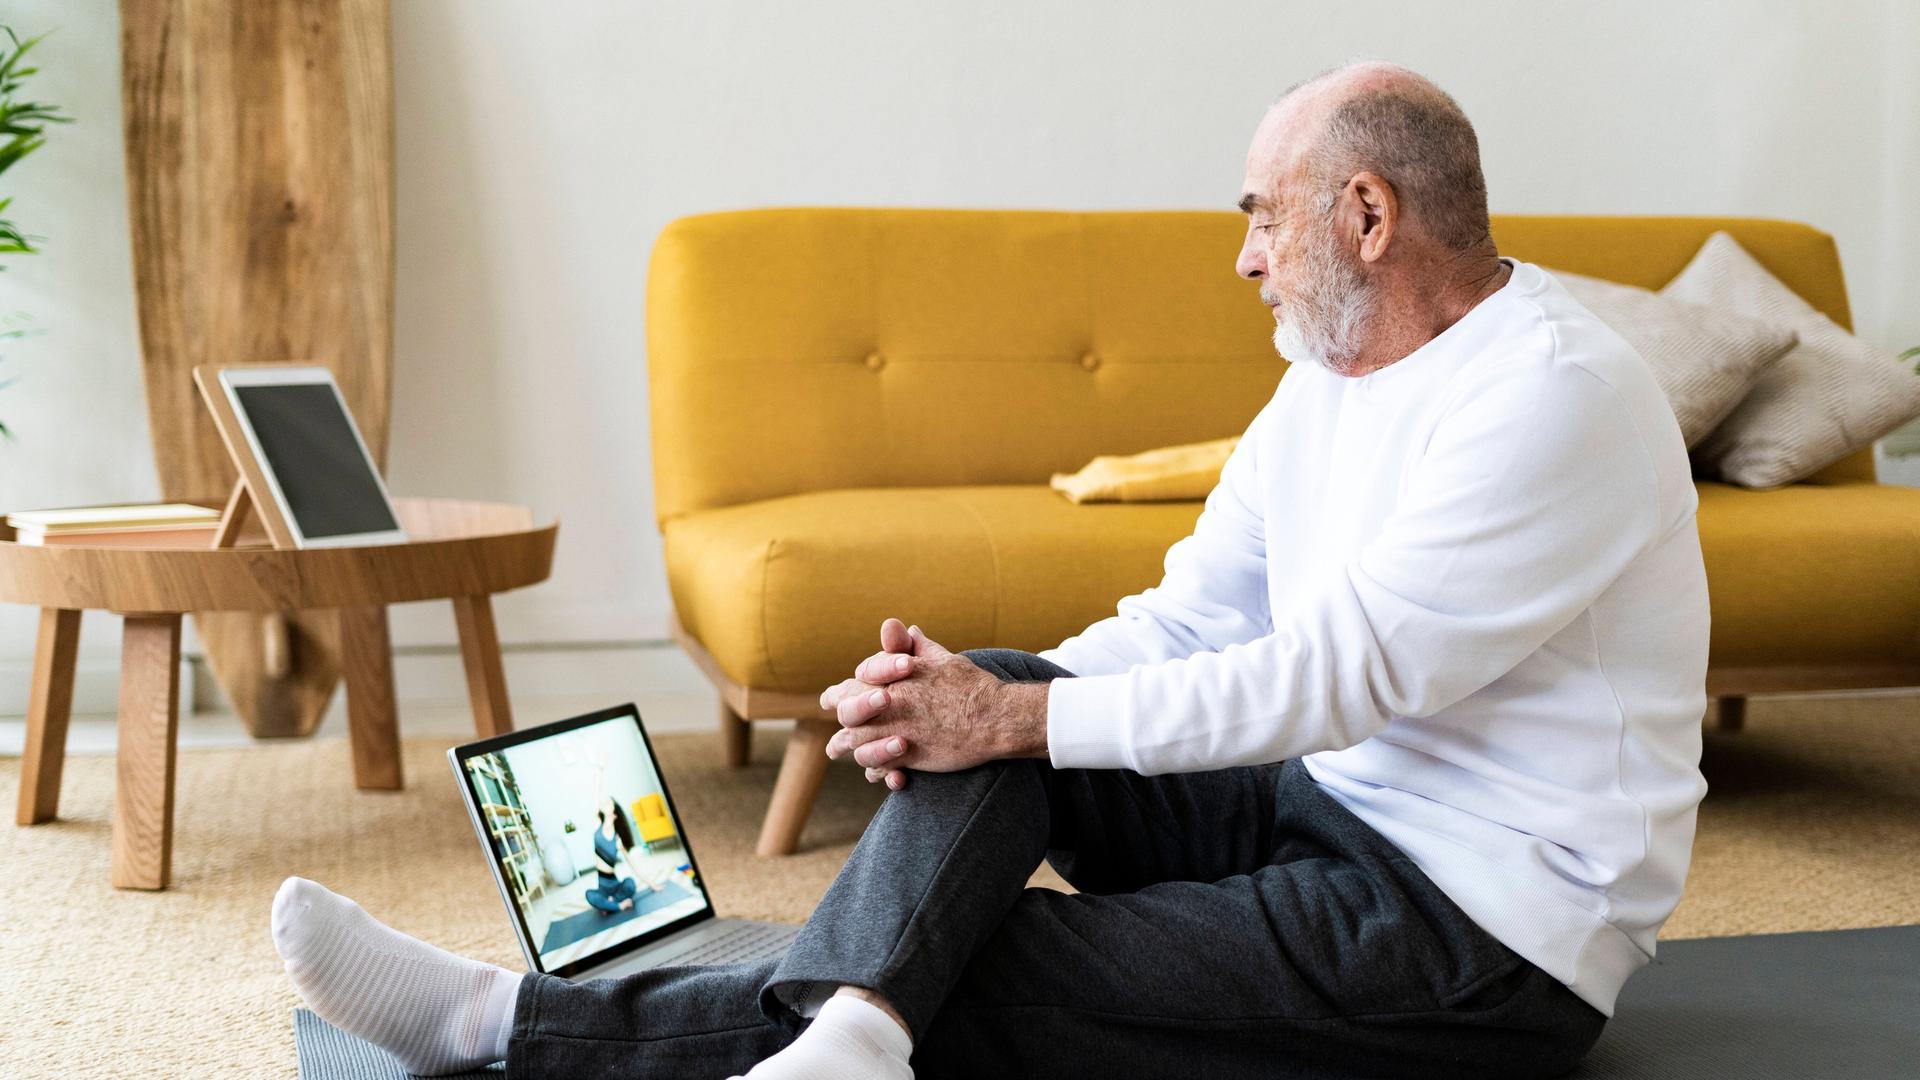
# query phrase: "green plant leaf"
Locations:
[[19, 147], [22, 127], [13, 241]]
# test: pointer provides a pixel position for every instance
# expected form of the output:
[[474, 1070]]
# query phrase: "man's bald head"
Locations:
[[1366, 217], [1377, 117]]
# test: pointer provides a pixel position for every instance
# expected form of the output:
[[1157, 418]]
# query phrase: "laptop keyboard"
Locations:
[[747, 941]]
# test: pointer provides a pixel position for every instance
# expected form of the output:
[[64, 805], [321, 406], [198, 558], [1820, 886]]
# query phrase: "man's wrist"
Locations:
[[1021, 724]]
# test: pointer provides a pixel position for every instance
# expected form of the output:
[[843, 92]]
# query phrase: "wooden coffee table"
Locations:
[[459, 551]]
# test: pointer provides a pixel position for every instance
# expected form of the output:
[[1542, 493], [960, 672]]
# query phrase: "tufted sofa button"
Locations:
[[1090, 361], [875, 361]]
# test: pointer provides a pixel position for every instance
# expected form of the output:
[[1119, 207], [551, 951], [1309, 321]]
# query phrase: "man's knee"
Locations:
[[1006, 783], [995, 662], [1015, 665]]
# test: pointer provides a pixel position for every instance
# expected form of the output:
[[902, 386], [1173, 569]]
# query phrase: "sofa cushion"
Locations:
[[1810, 574], [788, 594]]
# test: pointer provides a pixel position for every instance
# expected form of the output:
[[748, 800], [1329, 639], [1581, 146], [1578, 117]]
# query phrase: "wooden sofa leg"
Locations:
[[736, 734], [801, 774], [1733, 713]]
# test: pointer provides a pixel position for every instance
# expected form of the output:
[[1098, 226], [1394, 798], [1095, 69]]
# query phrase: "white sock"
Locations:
[[850, 1039], [436, 1012]]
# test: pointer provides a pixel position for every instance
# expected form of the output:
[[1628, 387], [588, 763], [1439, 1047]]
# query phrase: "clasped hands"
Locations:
[[916, 705]]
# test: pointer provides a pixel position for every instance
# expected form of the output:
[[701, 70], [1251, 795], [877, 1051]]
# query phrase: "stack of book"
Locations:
[[168, 525]]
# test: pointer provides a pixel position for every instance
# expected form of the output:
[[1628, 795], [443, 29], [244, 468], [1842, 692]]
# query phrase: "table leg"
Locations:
[[149, 722], [49, 706], [486, 679], [366, 655]]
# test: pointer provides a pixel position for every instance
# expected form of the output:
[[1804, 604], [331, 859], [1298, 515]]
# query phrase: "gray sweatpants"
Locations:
[[1237, 923]]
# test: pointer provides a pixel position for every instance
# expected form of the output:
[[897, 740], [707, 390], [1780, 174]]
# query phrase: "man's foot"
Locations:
[[625, 904], [850, 1039], [436, 1012]]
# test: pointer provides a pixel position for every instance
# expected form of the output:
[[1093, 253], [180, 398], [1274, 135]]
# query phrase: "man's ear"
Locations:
[[1376, 213]]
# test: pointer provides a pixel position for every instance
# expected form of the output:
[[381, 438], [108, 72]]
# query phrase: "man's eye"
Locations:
[[1265, 224]]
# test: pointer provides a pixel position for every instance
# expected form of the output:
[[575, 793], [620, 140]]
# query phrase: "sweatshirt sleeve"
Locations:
[[1213, 592], [1533, 494]]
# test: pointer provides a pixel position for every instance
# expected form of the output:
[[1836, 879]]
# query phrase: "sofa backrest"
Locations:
[[797, 350]]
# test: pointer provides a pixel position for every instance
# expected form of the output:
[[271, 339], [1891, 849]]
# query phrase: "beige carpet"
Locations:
[[1813, 821]]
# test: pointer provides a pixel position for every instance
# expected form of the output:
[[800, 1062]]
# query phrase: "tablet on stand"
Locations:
[[305, 470]]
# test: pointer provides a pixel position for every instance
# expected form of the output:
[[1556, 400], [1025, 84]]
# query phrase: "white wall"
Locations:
[[75, 406], [541, 147]]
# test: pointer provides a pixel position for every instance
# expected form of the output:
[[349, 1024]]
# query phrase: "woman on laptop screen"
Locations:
[[611, 841]]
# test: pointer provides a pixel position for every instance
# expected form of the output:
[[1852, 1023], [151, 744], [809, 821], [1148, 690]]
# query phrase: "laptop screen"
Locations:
[[586, 846]]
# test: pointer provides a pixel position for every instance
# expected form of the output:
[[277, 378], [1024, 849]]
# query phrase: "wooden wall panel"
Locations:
[[259, 141]]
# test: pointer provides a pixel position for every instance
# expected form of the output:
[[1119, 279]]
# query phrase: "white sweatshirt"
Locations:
[[1467, 589]]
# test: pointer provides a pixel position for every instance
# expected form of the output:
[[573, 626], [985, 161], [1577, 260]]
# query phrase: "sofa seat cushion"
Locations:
[[1812, 574], [788, 594]]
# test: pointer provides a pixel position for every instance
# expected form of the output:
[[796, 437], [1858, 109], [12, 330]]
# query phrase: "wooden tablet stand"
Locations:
[[234, 518], [250, 490]]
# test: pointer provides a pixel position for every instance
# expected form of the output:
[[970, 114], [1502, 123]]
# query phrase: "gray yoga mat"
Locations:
[[586, 923], [327, 1053], [1834, 1004], [1838, 1004]]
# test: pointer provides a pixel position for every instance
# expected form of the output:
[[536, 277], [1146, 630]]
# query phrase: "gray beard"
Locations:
[[1322, 324]]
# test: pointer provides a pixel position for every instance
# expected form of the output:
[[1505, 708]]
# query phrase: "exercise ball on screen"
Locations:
[[559, 864]]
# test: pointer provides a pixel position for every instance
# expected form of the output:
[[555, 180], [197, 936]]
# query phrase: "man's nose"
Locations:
[[1252, 263]]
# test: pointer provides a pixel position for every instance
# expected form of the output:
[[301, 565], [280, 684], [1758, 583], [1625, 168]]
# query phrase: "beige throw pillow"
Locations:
[[1830, 395], [1706, 359]]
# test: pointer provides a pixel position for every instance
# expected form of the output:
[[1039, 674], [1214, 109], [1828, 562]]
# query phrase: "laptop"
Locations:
[[556, 808]]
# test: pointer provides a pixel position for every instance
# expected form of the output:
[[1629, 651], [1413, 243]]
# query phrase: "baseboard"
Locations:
[[548, 678], [524, 619], [611, 672], [96, 685], [528, 619], [548, 682]]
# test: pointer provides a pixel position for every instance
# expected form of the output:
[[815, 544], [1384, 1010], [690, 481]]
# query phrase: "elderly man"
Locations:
[[1393, 774]]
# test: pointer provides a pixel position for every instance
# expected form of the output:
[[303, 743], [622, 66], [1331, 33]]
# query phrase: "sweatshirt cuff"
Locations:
[[1085, 722], [1057, 656]]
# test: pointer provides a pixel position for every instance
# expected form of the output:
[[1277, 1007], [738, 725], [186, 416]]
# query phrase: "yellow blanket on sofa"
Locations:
[[1188, 471]]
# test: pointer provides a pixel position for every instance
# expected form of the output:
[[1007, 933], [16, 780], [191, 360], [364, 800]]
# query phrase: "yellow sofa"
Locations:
[[856, 412]]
